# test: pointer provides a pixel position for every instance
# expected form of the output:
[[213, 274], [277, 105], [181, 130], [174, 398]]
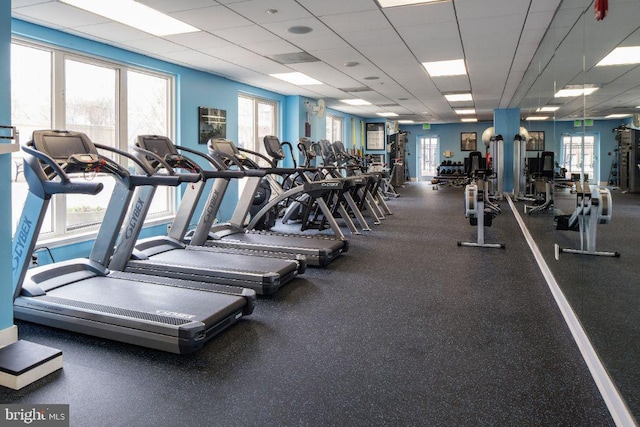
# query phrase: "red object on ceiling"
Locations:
[[600, 8]]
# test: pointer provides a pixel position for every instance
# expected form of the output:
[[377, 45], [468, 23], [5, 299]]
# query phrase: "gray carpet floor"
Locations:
[[406, 329]]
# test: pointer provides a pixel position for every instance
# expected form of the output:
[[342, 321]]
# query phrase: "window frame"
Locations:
[[580, 148], [60, 236], [256, 101], [331, 120]]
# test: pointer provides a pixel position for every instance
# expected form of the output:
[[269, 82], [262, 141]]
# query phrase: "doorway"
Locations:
[[428, 158]]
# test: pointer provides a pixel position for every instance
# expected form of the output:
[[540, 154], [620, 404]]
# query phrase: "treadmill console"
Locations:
[[60, 145], [273, 147], [225, 147], [159, 145]]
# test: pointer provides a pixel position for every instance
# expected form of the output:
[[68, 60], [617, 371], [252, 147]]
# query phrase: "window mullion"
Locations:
[[256, 126], [121, 114], [59, 202]]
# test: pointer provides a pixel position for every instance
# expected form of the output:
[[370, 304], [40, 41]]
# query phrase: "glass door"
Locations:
[[429, 158]]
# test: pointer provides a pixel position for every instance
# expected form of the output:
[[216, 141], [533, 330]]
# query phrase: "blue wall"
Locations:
[[6, 286], [449, 136]]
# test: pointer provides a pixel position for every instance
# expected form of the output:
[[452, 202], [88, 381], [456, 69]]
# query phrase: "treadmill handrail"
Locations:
[[181, 177], [255, 153], [221, 170], [79, 187], [127, 155]]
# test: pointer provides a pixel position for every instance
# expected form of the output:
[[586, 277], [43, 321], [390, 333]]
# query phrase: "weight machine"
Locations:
[[593, 207], [541, 172], [478, 208]]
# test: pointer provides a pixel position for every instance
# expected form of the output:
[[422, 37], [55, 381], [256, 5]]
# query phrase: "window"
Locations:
[[51, 88], [334, 128], [578, 154], [257, 118], [429, 156]]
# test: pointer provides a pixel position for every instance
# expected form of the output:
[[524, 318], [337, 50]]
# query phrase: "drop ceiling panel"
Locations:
[[332, 7], [167, 6], [22, 3], [433, 42], [245, 34], [272, 47], [320, 38], [544, 5], [239, 56], [199, 40], [325, 73], [256, 10], [356, 21], [111, 31], [195, 59], [469, 10], [370, 38], [153, 45], [212, 19], [60, 14], [452, 84], [422, 14], [339, 56]]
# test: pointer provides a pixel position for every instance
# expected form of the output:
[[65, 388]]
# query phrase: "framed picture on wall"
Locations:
[[536, 141], [375, 136], [468, 141], [212, 123]]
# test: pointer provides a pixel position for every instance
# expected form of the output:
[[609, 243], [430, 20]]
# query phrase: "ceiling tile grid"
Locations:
[[517, 51]]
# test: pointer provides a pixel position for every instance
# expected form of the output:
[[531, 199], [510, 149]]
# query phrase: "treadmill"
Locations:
[[82, 295], [168, 256], [319, 249]]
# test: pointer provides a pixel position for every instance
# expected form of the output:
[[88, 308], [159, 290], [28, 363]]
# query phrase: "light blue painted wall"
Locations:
[[449, 139], [449, 135], [6, 286]]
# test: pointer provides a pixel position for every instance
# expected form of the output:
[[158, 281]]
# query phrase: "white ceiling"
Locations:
[[516, 51]]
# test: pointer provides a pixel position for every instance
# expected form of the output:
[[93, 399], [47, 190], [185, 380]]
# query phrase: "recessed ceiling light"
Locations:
[[387, 114], [617, 116], [300, 29], [621, 56], [547, 109], [575, 91], [351, 64], [296, 78], [458, 97], [406, 122], [465, 111], [272, 11], [638, 106], [135, 15], [355, 101], [371, 78], [534, 118], [454, 67], [394, 3], [469, 120]]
